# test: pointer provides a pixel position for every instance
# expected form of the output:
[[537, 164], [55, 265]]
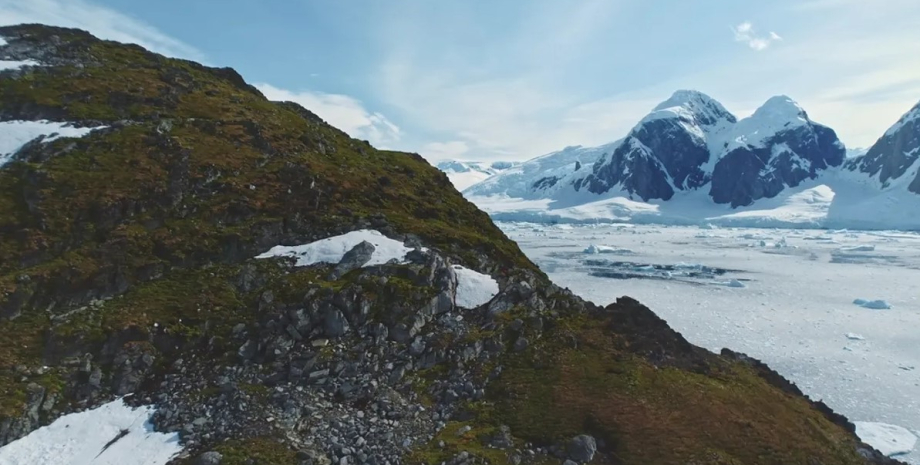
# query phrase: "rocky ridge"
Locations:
[[127, 267], [894, 154]]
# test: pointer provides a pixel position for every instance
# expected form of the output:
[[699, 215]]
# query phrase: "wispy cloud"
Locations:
[[504, 99], [341, 111], [101, 21], [746, 34], [444, 150]]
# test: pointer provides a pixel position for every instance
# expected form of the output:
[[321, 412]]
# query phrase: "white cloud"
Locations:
[[101, 21], [341, 111], [745, 33], [444, 150]]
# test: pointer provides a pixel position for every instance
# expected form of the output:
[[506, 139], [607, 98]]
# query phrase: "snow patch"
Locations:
[[6, 65], [888, 439], [15, 134], [2, 41], [734, 283], [332, 249], [873, 304], [855, 337], [86, 438], [474, 288]]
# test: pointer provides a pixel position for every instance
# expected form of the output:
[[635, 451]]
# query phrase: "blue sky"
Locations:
[[480, 79]]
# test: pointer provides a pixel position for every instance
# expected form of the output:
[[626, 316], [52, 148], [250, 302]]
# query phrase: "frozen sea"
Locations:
[[783, 296]]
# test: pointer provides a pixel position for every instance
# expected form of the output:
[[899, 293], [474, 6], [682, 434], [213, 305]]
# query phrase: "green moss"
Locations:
[[473, 441], [259, 391], [262, 451], [649, 414]]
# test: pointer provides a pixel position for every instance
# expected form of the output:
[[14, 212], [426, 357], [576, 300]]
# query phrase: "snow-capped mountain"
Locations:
[[542, 176], [894, 155], [689, 142], [669, 150], [463, 174], [775, 148], [882, 186]]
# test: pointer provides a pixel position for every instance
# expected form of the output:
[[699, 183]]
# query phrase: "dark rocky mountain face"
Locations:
[[127, 266], [691, 141], [667, 151], [633, 168], [747, 174], [894, 153]]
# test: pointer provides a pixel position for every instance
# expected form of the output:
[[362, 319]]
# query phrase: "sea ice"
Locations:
[[873, 304], [597, 249], [858, 248], [888, 439]]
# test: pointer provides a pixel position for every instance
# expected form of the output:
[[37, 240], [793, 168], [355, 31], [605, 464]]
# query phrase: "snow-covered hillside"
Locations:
[[463, 174], [691, 162], [542, 176]]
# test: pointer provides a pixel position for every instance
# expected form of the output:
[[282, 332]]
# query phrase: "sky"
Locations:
[[487, 80]]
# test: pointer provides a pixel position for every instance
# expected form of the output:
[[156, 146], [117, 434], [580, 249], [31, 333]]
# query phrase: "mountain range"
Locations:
[[691, 150], [463, 174]]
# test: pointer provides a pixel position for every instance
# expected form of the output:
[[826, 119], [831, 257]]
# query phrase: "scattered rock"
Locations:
[[210, 458], [582, 448]]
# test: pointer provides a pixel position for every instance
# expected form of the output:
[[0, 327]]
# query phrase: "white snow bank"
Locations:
[[596, 249], [854, 337], [331, 250], [81, 439], [2, 41], [11, 64], [873, 304], [15, 134], [888, 439], [474, 288]]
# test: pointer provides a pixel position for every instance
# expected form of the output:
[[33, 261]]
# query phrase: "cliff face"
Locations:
[[130, 223]]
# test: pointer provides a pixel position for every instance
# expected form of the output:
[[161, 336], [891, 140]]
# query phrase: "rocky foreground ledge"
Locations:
[[136, 264]]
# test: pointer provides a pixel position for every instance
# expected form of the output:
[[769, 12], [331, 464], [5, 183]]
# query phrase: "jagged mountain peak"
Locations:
[[693, 106]]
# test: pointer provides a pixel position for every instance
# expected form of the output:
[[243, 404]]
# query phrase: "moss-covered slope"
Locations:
[[126, 258]]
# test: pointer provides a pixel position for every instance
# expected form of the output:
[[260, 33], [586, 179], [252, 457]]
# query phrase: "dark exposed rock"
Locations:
[[581, 448], [209, 458], [353, 259]]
